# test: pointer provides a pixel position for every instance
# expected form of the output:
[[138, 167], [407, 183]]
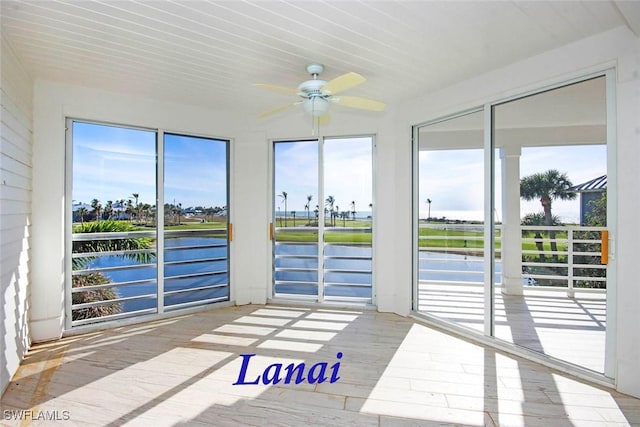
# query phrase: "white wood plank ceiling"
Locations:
[[209, 52]]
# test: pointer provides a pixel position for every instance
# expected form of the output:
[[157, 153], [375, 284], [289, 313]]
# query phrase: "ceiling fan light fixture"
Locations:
[[316, 106]]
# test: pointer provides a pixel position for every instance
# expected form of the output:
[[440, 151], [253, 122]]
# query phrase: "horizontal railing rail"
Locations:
[[113, 285], [574, 264], [126, 269], [291, 273], [120, 235]]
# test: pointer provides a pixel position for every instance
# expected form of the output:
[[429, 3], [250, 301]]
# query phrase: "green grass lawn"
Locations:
[[302, 222], [302, 233], [213, 225], [293, 236], [434, 242]]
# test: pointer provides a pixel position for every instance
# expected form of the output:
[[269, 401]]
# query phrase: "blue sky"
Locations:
[[453, 179], [347, 173], [195, 171], [112, 163]]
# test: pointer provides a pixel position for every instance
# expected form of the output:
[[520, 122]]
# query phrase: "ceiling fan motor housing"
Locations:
[[310, 87], [315, 101]]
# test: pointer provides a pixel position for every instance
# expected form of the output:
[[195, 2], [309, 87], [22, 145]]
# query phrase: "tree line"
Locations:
[[331, 210], [141, 213]]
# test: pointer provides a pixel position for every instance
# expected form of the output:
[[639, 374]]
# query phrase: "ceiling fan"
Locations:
[[316, 94]]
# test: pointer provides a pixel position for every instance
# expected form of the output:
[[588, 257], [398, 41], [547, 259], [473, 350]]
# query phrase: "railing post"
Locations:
[[570, 292]]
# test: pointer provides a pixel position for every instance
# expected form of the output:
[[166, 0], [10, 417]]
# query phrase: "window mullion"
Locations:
[[160, 219], [321, 218]]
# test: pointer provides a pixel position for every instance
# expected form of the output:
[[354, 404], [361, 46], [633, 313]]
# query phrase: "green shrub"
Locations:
[[93, 295], [92, 279]]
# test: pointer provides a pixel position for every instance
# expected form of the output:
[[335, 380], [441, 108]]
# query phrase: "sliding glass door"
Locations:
[[196, 244], [551, 203], [297, 217], [451, 217], [114, 268], [148, 222], [322, 219], [513, 217]]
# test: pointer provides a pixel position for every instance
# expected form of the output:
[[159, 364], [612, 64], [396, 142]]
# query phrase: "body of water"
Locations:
[[190, 263], [195, 262], [346, 269]]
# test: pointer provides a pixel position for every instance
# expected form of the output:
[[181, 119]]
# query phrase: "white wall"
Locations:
[[15, 211], [616, 48], [628, 298], [250, 255]]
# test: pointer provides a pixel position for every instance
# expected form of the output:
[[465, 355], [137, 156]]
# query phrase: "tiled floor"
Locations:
[[394, 372], [571, 329]]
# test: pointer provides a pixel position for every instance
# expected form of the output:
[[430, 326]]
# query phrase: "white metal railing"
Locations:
[[456, 254], [576, 259], [346, 254], [141, 273]]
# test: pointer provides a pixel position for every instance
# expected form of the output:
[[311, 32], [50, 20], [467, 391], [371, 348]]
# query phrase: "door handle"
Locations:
[[604, 247]]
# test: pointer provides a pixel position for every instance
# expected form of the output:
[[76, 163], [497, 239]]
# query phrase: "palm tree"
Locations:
[[547, 186], [82, 212], [129, 210], [283, 196], [108, 209], [329, 205], [538, 219], [97, 208], [179, 211], [308, 208], [135, 196], [122, 208], [146, 211]]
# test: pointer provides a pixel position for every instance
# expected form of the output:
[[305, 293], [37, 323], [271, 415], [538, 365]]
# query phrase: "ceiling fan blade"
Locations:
[[323, 120], [360, 103], [276, 88], [277, 109], [343, 82]]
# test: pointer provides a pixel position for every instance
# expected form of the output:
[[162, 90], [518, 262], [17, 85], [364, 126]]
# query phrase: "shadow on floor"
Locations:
[[394, 371]]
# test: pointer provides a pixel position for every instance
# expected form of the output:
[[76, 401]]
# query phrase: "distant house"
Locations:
[[589, 191]]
